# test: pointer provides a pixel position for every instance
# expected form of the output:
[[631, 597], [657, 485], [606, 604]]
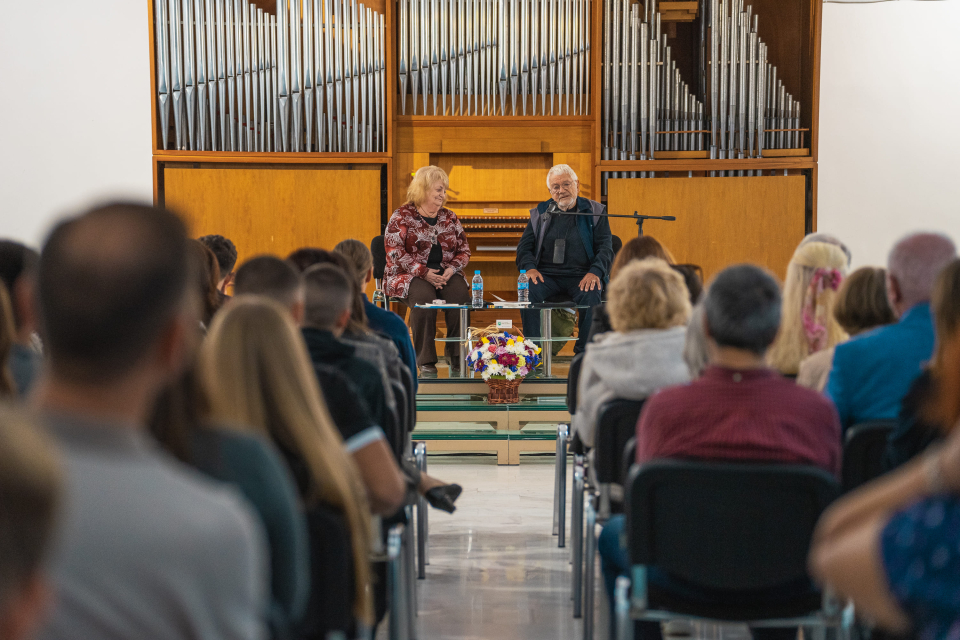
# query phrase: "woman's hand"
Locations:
[[447, 274], [433, 277]]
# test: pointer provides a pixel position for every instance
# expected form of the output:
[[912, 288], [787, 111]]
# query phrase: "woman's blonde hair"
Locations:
[[255, 368], [648, 294], [807, 323], [423, 180], [359, 256]]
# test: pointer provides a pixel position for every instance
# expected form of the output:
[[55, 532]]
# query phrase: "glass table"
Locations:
[[459, 408], [546, 329]]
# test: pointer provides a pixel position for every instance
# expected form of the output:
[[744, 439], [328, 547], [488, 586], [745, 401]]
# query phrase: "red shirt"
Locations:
[[741, 415]]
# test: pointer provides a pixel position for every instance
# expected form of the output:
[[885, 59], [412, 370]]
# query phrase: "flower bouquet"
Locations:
[[503, 361]]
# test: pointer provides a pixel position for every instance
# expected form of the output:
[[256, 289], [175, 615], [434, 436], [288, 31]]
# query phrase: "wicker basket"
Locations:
[[504, 391]]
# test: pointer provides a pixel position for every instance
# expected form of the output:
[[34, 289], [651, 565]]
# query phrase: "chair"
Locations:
[[560, 471], [406, 378], [731, 533], [616, 425], [863, 450]]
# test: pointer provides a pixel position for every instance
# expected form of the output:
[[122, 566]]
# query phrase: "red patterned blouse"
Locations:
[[408, 239]]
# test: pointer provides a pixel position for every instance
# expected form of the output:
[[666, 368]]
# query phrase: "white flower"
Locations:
[[510, 375], [486, 374], [487, 355]]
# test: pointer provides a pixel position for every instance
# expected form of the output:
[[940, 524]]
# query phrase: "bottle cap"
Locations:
[[477, 272], [523, 270]]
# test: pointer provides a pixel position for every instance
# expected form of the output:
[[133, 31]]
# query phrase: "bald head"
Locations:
[[109, 281], [913, 266]]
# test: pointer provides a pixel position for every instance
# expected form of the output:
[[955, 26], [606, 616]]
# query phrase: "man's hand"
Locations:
[[535, 276], [433, 277], [590, 282], [447, 274]]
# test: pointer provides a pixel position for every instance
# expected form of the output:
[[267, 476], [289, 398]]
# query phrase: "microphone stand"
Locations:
[[638, 218]]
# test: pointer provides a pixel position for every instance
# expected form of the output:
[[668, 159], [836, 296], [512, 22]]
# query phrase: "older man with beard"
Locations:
[[566, 256]]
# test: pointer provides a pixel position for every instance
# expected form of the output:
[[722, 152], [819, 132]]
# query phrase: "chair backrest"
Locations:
[[402, 417], [726, 526], [379, 251], [863, 450], [573, 379], [616, 424], [406, 377], [617, 244], [627, 459]]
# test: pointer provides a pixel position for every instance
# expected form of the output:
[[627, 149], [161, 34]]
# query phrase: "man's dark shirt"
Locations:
[[324, 348], [912, 434], [574, 260], [527, 248], [347, 409]]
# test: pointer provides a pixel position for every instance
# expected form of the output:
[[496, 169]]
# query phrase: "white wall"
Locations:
[[75, 116], [889, 123], [74, 109]]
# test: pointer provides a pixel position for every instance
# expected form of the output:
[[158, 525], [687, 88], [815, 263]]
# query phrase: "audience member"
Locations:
[[226, 253], [255, 368], [8, 336], [861, 305], [916, 429], [382, 320], [207, 277], [872, 372], [17, 269], [149, 549], [635, 249], [365, 441], [31, 484], [809, 294], [649, 308], [327, 313], [181, 420], [891, 546], [739, 410]]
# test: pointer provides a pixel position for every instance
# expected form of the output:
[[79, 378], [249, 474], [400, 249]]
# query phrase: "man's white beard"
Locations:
[[567, 203]]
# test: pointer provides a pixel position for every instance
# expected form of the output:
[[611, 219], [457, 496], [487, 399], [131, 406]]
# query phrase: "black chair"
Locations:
[[628, 458], [732, 532], [573, 379], [406, 378], [399, 428], [379, 251], [616, 425], [863, 451], [330, 603]]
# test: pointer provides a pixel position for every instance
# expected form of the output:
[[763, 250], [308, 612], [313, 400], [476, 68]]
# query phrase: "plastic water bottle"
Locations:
[[477, 300], [523, 287]]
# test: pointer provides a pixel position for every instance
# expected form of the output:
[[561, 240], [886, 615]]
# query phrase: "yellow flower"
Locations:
[[521, 361], [538, 350], [510, 342], [485, 341]]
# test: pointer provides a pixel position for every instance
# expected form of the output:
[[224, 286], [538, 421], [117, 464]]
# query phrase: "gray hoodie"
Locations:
[[628, 366]]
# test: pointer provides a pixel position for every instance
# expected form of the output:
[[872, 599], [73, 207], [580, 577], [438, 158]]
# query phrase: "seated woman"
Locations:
[[649, 308], [255, 369], [891, 546], [861, 305], [814, 274], [427, 251]]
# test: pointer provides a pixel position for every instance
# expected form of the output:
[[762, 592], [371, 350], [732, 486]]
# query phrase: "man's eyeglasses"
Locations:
[[557, 187]]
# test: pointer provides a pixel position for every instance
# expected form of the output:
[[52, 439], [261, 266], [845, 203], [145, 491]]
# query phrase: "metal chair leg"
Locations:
[[556, 486], [576, 536], [420, 454], [590, 543], [622, 608], [397, 625], [410, 580], [562, 434]]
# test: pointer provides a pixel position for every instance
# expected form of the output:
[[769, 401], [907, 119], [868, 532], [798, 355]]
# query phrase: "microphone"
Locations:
[[553, 208]]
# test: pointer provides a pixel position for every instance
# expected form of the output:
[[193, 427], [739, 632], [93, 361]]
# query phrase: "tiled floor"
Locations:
[[495, 570]]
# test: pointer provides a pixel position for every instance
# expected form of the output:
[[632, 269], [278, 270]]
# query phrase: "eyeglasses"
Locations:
[[557, 187]]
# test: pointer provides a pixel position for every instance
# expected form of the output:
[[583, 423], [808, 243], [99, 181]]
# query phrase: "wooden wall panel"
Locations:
[[568, 135], [582, 163], [277, 210], [720, 221], [482, 178]]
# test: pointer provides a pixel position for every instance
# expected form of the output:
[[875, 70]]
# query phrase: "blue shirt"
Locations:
[[393, 326], [922, 563], [872, 372]]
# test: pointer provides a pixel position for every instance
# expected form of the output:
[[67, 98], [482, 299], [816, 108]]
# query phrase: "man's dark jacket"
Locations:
[[594, 233]]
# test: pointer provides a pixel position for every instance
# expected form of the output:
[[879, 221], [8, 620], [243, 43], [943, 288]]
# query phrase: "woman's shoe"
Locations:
[[428, 371], [443, 497]]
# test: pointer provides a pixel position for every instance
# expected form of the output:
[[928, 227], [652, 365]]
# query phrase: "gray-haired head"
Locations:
[[742, 308], [329, 294], [829, 239], [913, 266], [564, 185]]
